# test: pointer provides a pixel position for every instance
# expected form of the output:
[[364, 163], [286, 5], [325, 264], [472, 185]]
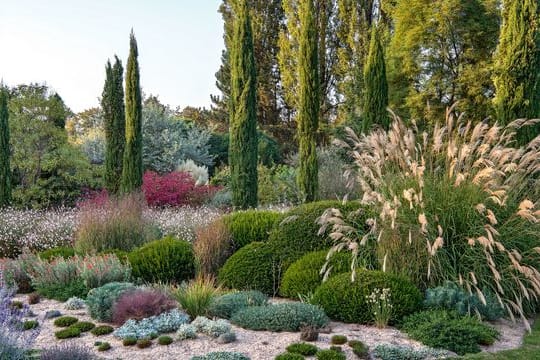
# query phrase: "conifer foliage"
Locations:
[[517, 66], [112, 103], [243, 110], [376, 86], [5, 169], [308, 104], [132, 170]]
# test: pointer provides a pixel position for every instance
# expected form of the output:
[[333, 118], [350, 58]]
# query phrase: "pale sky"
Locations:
[[66, 43]]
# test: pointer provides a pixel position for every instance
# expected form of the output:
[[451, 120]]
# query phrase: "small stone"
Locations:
[[51, 314]]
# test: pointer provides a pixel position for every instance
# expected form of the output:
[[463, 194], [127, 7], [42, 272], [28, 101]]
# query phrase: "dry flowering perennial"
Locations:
[[380, 304]]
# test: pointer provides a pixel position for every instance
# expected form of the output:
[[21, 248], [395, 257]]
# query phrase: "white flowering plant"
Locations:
[[380, 304]]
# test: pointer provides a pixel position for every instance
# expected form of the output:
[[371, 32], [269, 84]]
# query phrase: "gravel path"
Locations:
[[259, 345]]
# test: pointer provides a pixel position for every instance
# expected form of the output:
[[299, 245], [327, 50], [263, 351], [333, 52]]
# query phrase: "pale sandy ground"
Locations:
[[258, 345]]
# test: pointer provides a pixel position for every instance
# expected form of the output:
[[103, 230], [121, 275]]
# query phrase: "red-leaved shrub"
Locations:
[[140, 304], [174, 189]]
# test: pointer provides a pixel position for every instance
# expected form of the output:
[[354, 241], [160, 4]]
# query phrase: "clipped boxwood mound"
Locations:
[[303, 276], [297, 233], [250, 226], [226, 305], [253, 267], [165, 260], [280, 317], [346, 301]]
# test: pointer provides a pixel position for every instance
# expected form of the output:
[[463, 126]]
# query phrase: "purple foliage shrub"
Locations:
[[140, 304]]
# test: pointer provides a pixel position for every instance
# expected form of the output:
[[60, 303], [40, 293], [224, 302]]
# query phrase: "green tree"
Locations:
[[112, 103], [243, 111], [308, 100], [440, 53], [517, 66], [132, 169], [5, 168], [376, 86]]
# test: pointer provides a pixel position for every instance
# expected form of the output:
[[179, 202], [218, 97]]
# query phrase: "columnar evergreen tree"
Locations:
[[308, 101], [517, 66], [243, 111], [5, 169], [112, 103], [132, 169], [376, 86]]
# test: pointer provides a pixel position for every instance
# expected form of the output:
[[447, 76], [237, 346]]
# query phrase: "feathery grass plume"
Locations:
[[458, 202]]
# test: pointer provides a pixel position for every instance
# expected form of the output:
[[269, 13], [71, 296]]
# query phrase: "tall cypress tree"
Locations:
[[243, 111], [375, 86], [5, 169], [112, 103], [132, 169], [308, 101], [517, 66]]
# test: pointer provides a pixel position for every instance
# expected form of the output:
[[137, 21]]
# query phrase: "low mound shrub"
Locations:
[[139, 304], [298, 232], [61, 251], [67, 333], [74, 303], [346, 301], [330, 354], [338, 339], [144, 343], [30, 324], [33, 298], [104, 346], [289, 356], [83, 326], [226, 305], [359, 349], [221, 355], [452, 297], [250, 226], [102, 330], [280, 317], [186, 331], [65, 321], [392, 352], [304, 275], [165, 340], [100, 301], [213, 328], [130, 341], [302, 349], [152, 326], [165, 260], [448, 330], [253, 267]]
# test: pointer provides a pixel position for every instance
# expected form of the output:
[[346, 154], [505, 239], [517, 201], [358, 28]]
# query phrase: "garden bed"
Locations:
[[263, 345]]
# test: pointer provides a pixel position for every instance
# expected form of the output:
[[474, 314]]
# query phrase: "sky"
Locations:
[[66, 43]]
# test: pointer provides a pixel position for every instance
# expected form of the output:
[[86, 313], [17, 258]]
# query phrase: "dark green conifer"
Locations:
[[5, 169], [308, 103], [375, 86], [132, 169], [243, 111]]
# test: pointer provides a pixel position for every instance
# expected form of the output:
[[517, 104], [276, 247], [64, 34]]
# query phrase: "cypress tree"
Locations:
[[132, 169], [308, 101], [112, 103], [375, 86], [243, 111], [517, 66], [5, 169]]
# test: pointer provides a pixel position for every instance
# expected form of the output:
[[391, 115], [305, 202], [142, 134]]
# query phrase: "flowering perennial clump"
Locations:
[[381, 306]]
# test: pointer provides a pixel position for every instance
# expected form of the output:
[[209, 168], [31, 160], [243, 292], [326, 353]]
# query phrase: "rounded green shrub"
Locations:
[[297, 233], [144, 343], [129, 341], [330, 354], [338, 339], [289, 356], [84, 326], [302, 349], [346, 301], [101, 300], [303, 276], [280, 317], [250, 226], [165, 340], [449, 330], [359, 349], [65, 321], [221, 355], [30, 324], [61, 251], [102, 330], [67, 333], [253, 267], [226, 305], [104, 346], [165, 260]]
